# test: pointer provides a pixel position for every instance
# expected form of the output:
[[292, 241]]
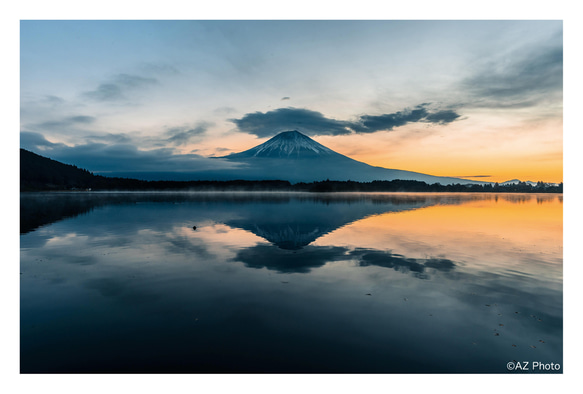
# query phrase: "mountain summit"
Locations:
[[287, 144], [295, 157]]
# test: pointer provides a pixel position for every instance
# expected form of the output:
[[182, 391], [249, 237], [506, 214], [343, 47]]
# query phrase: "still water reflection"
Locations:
[[360, 283]]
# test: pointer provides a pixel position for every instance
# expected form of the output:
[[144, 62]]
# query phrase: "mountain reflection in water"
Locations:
[[282, 282]]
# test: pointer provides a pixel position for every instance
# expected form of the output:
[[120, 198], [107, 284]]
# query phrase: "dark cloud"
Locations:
[[282, 119], [442, 117], [183, 135], [314, 123], [534, 75], [116, 89], [371, 124], [35, 141], [285, 98]]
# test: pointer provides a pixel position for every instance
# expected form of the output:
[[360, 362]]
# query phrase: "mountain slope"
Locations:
[[41, 173], [296, 157]]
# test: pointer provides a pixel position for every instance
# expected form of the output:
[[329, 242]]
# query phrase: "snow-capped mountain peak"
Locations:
[[287, 144], [295, 157]]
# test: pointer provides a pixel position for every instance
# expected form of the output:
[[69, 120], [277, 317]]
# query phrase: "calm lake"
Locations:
[[290, 283]]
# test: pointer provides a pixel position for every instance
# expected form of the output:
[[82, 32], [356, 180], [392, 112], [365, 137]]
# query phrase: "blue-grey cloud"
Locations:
[[315, 123], [442, 117], [106, 92], [374, 123], [116, 89], [134, 81], [118, 156], [54, 100], [65, 122], [35, 141], [82, 119], [184, 135], [285, 98], [535, 74], [118, 138]]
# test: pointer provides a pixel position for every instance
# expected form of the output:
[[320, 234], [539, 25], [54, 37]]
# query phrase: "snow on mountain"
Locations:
[[516, 182], [287, 144]]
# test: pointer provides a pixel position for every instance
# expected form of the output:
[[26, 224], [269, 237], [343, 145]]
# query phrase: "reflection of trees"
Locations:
[[310, 257], [524, 198], [38, 210], [545, 199]]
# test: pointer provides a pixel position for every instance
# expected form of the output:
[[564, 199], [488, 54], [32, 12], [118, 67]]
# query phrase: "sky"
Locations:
[[476, 99]]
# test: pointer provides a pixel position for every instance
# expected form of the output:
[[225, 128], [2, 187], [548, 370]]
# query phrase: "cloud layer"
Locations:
[[534, 74], [184, 135], [117, 88], [118, 154], [315, 123]]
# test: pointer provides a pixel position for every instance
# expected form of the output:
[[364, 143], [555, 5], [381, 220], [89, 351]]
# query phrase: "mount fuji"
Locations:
[[295, 157]]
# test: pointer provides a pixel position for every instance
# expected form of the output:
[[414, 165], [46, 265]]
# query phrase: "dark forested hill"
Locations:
[[41, 173]]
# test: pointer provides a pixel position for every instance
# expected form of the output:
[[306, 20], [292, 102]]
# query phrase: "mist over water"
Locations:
[[290, 282]]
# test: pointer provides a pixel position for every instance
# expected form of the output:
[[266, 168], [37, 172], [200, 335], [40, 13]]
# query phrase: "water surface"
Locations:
[[337, 283]]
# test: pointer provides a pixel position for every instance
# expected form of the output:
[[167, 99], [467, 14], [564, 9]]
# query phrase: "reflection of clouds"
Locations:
[[286, 261], [179, 244], [309, 257], [367, 257], [78, 255], [66, 239], [273, 216]]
